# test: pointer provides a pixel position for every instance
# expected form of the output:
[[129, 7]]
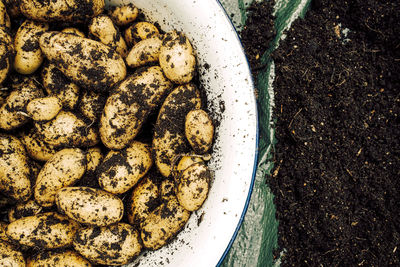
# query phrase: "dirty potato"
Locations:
[[4, 18], [140, 31], [3, 234], [144, 52], [10, 256], [21, 210], [44, 108], [199, 130], [91, 104], [68, 258], [123, 15], [36, 147], [6, 53]]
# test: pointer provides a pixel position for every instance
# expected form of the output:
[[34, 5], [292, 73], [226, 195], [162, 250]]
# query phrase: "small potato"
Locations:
[[61, 10], [102, 27], [65, 168], [4, 18], [167, 190], [177, 58], [29, 57], [143, 200], [10, 256], [67, 129], [44, 108], [199, 130], [93, 158], [36, 147], [67, 258], [75, 31], [91, 105], [110, 245], [88, 63], [145, 51], [121, 170], [90, 206], [163, 224], [47, 230], [22, 210], [140, 31], [123, 15]]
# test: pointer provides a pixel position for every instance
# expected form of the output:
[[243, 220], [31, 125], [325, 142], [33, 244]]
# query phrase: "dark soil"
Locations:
[[337, 102]]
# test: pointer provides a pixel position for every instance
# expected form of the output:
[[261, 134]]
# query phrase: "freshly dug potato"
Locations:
[[91, 104], [65, 168], [199, 130], [10, 256], [93, 158], [36, 147], [61, 10], [121, 170], [67, 258], [140, 31], [129, 106], [55, 83], [22, 210], [66, 129], [163, 224], [88, 63], [169, 131], [24, 91], [144, 199], [123, 15], [177, 57], [73, 30], [4, 18], [6, 53], [44, 108], [90, 206], [29, 57], [102, 27], [110, 245], [167, 190], [47, 230], [14, 169], [144, 52]]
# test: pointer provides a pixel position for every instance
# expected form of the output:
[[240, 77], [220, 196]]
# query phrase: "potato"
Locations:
[[29, 57], [93, 158], [167, 190], [144, 52], [4, 18], [65, 168], [61, 10], [68, 258], [6, 53], [36, 148], [55, 83], [163, 224], [88, 63], [14, 169], [90, 206], [67, 129], [10, 256], [91, 105], [44, 108], [177, 58], [102, 27], [110, 245], [22, 210], [47, 230], [199, 130], [140, 31], [73, 30], [185, 162], [169, 133], [123, 15], [3, 235], [129, 106], [143, 200], [121, 170]]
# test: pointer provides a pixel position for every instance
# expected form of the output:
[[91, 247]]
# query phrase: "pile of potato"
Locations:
[[78, 84]]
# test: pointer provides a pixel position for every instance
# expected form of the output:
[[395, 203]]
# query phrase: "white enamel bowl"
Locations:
[[225, 75]]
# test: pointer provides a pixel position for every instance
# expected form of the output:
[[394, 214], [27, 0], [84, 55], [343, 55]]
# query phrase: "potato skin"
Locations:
[[9, 256], [91, 104], [44, 108], [4, 18], [67, 258], [199, 130], [123, 15], [88, 63], [144, 52], [94, 157], [36, 147], [65, 168], [140, 31], [6, 52], [61, 10], [167, 190], [90, 206], [3, 235], [22, 210], [110, 245], [47, 230]]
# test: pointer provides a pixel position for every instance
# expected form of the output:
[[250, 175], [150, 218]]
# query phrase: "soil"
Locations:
[[337, 103]]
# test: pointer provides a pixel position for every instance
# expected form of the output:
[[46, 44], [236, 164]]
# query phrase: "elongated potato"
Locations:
[[22, 210], [144, 52], [67, 129], [67, 258], [110, 245], [121, 170], [143, 200], [36, 147], [61, 10], [47, 230], [177, 58], [91, 104], [169, 131], [65, 168], [123, 15], [93, 158], [10, 256], [44, 108], [129, 106], [73, 30], [14, 169], [4, 18], [88, 63], [103, 28], [140, 31], [199, 130], [29, 57], [90, 206], [163, 224]]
